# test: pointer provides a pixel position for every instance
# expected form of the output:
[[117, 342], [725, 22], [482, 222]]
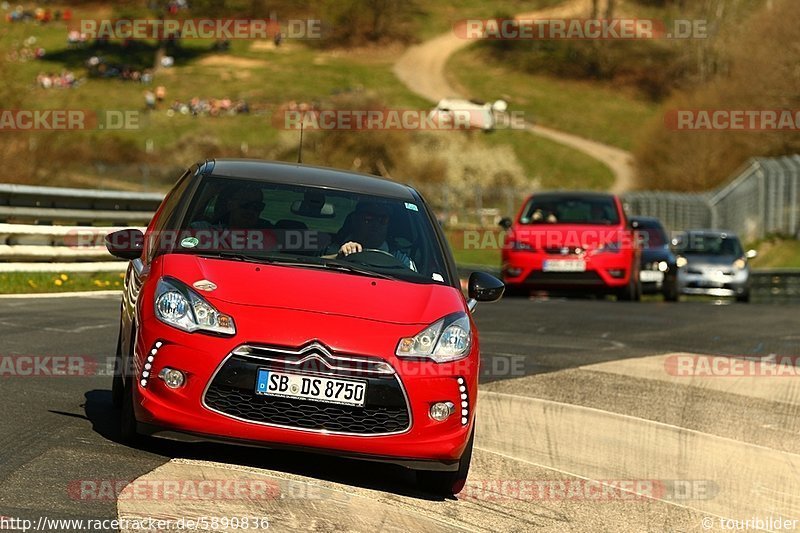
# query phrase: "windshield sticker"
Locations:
[[437, 277], [412, 207], [190, 242]]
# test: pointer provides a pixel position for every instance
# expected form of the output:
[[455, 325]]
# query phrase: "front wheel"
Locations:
[[671, 293], [744, 297], [516, 291], [448, 483], [117, 384], [632, 292], [128, 427]]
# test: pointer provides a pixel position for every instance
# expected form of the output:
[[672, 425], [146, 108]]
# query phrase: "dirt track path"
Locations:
[[422, 69]]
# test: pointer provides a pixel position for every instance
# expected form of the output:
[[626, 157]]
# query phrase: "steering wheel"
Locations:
[[374, 257]]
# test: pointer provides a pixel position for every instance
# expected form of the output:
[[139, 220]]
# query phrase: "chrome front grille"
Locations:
[[231, 391]]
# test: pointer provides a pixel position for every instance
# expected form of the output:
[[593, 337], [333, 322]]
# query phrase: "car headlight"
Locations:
[[739, 264], [663, 266], [681, 262], [179, 306], [447, 339], [520, 246]]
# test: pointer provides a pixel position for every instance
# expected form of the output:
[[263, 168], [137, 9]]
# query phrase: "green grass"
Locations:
[[46, 282], [555, 166], [778, 253], [593, 110], [267, 78], [476, 247]]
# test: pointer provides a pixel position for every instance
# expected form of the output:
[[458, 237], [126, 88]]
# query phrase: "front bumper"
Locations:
[[714, 284], [655, 281], [203, 358], [602, 271]]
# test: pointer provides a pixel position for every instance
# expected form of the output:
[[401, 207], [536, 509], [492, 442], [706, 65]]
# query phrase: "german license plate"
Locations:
[[316, 388], [572, 265], [651, 276]]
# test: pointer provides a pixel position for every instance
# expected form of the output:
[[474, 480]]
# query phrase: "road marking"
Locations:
[[600, 481], [587, 441], [299, 502], [783, 389]]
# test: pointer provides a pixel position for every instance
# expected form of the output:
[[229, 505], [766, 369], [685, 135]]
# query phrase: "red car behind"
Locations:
[[571, 241]]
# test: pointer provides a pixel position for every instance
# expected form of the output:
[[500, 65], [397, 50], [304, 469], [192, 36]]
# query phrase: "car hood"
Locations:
[[316, 290], [657, 254], [710, 260], [586, 236]]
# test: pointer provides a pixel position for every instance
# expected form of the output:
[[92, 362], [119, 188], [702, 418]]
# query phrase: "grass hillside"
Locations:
[[258, 72]]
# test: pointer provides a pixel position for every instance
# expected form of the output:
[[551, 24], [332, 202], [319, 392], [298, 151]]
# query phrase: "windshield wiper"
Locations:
[[301, 262], [255, 258], [349, 267]]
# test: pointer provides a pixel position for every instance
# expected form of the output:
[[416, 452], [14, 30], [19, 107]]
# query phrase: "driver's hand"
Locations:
[[350, 248]]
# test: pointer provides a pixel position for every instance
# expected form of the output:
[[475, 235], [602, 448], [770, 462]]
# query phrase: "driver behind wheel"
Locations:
[[367, 231]]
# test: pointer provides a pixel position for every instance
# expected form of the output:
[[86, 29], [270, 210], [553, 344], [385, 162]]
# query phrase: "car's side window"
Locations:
[[165, 215]]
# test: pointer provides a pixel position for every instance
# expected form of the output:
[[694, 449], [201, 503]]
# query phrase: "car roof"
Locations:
[[300, 174], [590, 195], [712, 233], [646, 220]]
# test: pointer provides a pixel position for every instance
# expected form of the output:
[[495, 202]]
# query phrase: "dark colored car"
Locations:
[[659, 273]]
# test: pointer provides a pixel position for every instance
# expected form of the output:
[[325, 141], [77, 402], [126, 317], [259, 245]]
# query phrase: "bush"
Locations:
[[655, 68], [760, 74], [361, 22]]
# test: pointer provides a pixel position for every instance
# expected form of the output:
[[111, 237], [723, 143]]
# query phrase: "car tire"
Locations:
[[117, 383], [516, 291], [128, 426], [448, 483], [671, 293], [744, 297], [632, 292]]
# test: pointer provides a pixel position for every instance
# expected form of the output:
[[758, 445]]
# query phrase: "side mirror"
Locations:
[[484, 287], [126, 244], [505, 223], [751, 254]]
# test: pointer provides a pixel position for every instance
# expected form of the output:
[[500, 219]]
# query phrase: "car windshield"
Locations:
[[570, 210], [651, 236], [307, 226], [705, 244]]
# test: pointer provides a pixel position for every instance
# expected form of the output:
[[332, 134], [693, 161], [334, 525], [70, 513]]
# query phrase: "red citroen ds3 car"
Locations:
[[292, 306], [576, 241]]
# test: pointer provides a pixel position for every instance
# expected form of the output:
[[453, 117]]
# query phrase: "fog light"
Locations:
[[174, 379], [617, 273], [513, 271], [440, 411]]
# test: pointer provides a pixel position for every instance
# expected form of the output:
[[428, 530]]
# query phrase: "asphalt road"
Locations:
[[573, 390]]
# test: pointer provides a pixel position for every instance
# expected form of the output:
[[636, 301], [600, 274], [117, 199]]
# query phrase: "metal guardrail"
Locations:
[[773, 285], [24, 204], [58, 229]]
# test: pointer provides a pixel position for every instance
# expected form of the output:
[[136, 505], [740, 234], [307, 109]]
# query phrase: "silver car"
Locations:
[[713, 263]]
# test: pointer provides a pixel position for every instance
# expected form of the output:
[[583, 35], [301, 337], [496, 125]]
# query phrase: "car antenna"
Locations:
[[300, 148]]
